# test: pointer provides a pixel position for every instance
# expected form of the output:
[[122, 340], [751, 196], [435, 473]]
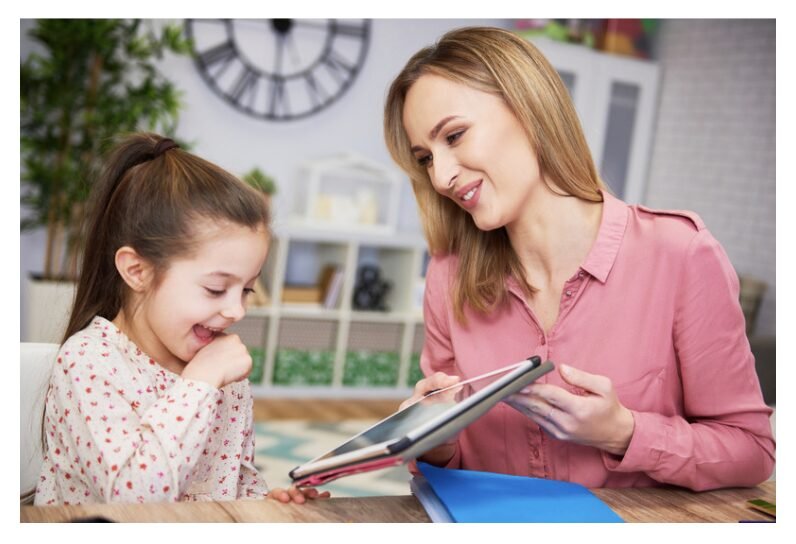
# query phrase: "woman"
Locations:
[[533, 256]]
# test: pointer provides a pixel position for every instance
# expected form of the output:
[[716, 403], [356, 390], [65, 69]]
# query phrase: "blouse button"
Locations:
[[580, 274], [535, 452], [569, 292]]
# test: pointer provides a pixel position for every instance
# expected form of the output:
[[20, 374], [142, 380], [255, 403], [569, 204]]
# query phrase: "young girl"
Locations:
[[149, 400]]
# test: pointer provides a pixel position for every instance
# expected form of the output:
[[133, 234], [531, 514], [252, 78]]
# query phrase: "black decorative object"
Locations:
[[370, 290], [279, 69]]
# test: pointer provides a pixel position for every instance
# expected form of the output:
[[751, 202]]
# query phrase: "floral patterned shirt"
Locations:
[[121, 428]]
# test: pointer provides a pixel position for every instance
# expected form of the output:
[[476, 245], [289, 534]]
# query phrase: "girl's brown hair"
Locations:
[[499, 62], [150, 196]]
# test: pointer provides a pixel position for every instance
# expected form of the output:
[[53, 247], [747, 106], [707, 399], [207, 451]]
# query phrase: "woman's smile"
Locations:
[[468, 196]]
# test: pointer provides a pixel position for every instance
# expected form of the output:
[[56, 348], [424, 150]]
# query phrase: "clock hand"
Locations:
[[280, 46], [293, 50]]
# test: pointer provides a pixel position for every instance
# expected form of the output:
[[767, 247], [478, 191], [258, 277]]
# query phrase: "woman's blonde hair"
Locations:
[[499, 62]]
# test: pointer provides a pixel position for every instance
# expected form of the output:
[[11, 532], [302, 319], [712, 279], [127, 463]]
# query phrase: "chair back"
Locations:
[[36, 364]]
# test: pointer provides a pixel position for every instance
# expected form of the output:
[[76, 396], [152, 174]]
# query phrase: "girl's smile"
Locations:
[[205, 334]]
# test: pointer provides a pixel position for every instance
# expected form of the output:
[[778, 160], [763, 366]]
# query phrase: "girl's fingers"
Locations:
[[296, 495], [279, 494], [299, 496]]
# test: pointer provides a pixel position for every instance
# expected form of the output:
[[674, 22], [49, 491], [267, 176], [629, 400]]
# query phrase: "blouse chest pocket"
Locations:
[[641, 392]]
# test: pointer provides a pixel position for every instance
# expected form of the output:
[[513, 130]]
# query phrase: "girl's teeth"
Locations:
[[469, 195]]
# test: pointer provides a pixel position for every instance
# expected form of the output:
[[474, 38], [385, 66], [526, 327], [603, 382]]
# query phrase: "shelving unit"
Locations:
[[306, 350]]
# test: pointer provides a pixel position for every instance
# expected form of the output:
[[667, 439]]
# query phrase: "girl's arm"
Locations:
[[97, 434], [251, 484]]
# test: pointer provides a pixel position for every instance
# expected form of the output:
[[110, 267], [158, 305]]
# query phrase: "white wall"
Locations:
[[714, 149]]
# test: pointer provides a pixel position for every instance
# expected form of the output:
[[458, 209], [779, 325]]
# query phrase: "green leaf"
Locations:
[[67, 113]]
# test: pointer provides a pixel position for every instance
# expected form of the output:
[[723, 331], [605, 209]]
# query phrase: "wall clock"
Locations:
[[279, 69]]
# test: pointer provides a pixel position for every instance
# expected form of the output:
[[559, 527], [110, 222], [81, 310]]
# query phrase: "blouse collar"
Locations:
[[602, 256]]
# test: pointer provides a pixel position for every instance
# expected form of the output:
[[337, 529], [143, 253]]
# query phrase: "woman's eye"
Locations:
[[214, 292], [424, 161], [451, 138], [247, 291]]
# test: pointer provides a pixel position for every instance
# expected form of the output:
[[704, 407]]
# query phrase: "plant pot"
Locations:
[[49, 304]]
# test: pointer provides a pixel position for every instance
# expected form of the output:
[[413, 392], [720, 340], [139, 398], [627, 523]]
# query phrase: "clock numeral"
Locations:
[[338, 67], [279, 101], [316, 91], [222, 54], [349, 29], [245, 85]]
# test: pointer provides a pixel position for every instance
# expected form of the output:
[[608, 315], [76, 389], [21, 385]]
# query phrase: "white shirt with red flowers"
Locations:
[[121, 428]]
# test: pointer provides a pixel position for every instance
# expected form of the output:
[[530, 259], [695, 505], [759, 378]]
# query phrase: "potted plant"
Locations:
[[92, 80], [262, 182]]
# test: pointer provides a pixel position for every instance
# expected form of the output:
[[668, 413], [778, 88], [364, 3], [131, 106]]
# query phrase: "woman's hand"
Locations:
[[440, 380], [594, 418], [296, 494], [443, 453]]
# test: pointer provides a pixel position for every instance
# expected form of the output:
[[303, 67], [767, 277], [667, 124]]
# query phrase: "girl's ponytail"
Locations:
[[96, 293]]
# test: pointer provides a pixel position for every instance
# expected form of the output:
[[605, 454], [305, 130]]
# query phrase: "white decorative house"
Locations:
[[348, 192]]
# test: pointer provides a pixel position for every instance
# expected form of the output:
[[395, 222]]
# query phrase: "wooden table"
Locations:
[[655, 505]]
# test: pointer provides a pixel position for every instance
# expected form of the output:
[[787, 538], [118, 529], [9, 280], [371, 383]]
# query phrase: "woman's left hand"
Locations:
[[296, 494], [594, 418]]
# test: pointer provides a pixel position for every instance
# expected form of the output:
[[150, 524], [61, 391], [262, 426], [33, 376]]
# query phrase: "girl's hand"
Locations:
[[443, 453], [296, 494], [223, 361], [595, 418]]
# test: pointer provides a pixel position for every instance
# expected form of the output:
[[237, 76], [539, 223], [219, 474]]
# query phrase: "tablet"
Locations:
[[421, 426]]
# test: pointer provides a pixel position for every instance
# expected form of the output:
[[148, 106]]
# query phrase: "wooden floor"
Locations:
[[322, 409]]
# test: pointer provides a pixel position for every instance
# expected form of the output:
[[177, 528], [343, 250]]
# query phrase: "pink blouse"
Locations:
[[655, 308], [121, 428]]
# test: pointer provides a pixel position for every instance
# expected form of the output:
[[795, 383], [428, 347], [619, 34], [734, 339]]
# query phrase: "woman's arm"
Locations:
[[437, 359], [725, 438]]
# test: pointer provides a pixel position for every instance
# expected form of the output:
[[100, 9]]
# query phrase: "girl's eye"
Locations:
[[214, 292], [247, 291]]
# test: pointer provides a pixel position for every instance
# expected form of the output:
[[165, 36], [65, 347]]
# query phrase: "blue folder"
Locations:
[[471, 496]]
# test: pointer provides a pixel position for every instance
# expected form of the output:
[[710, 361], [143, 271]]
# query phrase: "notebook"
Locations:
[[469, 496]]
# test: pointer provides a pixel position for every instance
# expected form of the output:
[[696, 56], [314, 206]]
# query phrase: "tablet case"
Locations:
[[429, 435]]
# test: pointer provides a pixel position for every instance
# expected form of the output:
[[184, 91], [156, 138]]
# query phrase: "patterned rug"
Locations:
[[282, 445]]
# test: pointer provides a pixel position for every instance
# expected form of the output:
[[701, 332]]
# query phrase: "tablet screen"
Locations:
[[422, 411]]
